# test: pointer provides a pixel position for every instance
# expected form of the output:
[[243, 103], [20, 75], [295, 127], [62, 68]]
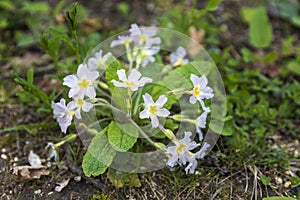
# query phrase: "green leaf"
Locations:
[[265, 180], [30, 74], [295, 181], [278, 198], [61, 36], [92, 166], [36, 7], [7, 5], [111, 71], [123, 8], [34, 90], [30, 128], [99, 156], [120, 140], [294, 67], [71, 16], [120, 179], [212, 5], [260, 27]]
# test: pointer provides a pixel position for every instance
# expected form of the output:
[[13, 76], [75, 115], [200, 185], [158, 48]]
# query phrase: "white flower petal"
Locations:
[[143, 81], [163, 112], [119, 84], [90, 92], [134, 75], [134, 88], [195, 79], [147, 99], [82, 71], [162, 99], [202, 82], [122, 75], [154, 121], [92, 64], [70, 80], [181, 51], [77, 113], [87, 106], [193, 100], [92, 76], [144, 114], [200, 134]]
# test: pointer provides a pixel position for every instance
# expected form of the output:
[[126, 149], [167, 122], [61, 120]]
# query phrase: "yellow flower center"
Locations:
[[100, 63], [181, 148], [143, 53], [80, 102], [130, 83], [196, 91], [191, 154], [72, 112], [83, 83], [153, 109], [143, 38], [179, 63]]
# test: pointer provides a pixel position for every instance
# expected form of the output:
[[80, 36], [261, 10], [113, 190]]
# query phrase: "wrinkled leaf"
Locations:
[[99, 156], [260, 28], [120, 179], [120, 140]]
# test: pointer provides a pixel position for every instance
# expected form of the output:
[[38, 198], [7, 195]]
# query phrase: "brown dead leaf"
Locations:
[[28, 59], [198, 36], [89, 25], [29, 172]]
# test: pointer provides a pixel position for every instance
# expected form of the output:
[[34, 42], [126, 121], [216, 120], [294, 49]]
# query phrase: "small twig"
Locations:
[[247, 184], [76, 170]]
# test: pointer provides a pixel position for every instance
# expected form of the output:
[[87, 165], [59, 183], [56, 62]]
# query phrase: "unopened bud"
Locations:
[[160, 145], [103, 85], [177, 117], [169, 134]]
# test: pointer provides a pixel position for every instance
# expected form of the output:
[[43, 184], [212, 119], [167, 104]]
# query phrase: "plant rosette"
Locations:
[[142, 101]]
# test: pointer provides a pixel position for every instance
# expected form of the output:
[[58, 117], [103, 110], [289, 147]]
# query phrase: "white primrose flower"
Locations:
[[201, 90], [190, 168], [134, 80], [52, 151], [81, 84], [98, 61], [144, 36], [177, 58], [180, 154], [154, 109], [79, 104], [201, 123], [122, 40], [146, 55], [63, 114]]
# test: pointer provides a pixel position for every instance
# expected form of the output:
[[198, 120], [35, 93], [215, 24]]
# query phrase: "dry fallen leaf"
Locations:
[[62, 185], [30, 172], [198, 36]]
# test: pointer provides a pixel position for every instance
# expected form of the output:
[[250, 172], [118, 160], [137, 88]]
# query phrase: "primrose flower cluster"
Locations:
[[142, 45]]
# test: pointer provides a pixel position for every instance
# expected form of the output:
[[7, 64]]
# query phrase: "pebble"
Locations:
[[296, 153], [278, 180], [4, 157], [16, 159], [48, 164], [77, 178], [3, 150], [50, 193], [287, 184], [38, 191]]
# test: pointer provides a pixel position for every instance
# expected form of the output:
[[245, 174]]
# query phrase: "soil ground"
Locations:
[[215, 181]]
